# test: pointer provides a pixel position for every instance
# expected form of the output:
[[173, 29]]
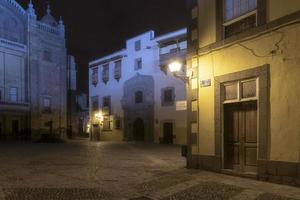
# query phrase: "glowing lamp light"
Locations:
[[99, 116], [175, 66]]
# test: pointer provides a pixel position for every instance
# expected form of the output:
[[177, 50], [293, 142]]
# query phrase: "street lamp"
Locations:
[[175, 68]]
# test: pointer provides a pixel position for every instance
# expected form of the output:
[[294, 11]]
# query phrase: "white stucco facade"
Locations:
[[143, 68]]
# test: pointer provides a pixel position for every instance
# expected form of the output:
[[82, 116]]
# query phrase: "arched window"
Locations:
[[139, 97]]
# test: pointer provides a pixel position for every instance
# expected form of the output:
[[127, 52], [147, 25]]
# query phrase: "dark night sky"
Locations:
[[95, 28]]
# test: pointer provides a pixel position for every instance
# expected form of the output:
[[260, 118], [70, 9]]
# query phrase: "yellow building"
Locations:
[[244, 112]]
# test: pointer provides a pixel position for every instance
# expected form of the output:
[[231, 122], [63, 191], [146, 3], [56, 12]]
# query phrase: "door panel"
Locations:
[[240, 136]]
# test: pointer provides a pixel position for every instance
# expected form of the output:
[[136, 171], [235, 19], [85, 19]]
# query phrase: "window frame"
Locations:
[[163, 96], [105, 73], [118, 70], [93, 105], [137, 45], [240, 90], [136, 64]]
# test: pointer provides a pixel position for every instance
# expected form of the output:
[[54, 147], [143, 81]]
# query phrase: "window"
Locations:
[[95, 76], [118, 70], [137, 45], [239, 15], [139, 97], [105, 73], [168, 96], [138, 64], [95, 103], [47, 55], [47, 105], [13, 94], [240, 91], [106, 105], [236, 8]]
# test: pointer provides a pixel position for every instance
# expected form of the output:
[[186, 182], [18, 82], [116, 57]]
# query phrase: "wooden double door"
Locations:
[[240, 137]]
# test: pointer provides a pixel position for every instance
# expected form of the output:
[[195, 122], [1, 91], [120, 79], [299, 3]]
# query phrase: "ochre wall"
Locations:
[[280, 8], [284, 89]]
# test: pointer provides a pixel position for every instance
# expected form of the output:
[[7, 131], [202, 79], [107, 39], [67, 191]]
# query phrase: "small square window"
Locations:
[[137, 45], [248, 89], [138, 64], [231, 91]]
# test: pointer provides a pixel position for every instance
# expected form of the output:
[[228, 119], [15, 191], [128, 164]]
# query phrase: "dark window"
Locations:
[[168, 96], [137, 45], [139, 97], [138, 64], [95, 103], [118, 70], [105, 73], [106, 106], [95, 76]]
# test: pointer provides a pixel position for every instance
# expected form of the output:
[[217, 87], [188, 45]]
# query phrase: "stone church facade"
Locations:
[[32, 73]]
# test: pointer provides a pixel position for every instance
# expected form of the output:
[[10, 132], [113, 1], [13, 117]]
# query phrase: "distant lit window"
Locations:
[[137, 45], [168, 96], [105, 73], [139, 97], [47, 105], [138, 64], [13, 94], [95, 103], [47, 55], [118, 70]]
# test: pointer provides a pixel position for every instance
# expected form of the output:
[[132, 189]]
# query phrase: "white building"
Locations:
[[133, 97]]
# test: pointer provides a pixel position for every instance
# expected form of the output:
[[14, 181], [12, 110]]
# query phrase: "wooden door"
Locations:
[[168, 133], [240, 137], [139, 130]]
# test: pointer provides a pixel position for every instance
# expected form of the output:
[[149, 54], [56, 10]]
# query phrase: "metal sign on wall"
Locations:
[[181, 105], [205, 83]]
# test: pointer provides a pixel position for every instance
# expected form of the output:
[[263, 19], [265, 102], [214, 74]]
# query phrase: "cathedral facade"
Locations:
[[33, 81]]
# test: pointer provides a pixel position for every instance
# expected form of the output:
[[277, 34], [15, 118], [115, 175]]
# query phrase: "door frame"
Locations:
[[263, 109]]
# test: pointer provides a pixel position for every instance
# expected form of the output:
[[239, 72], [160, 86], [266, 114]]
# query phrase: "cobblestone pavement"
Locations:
[[84, 170]]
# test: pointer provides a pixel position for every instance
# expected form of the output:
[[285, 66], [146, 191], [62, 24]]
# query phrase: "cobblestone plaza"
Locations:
[[86, 170]]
